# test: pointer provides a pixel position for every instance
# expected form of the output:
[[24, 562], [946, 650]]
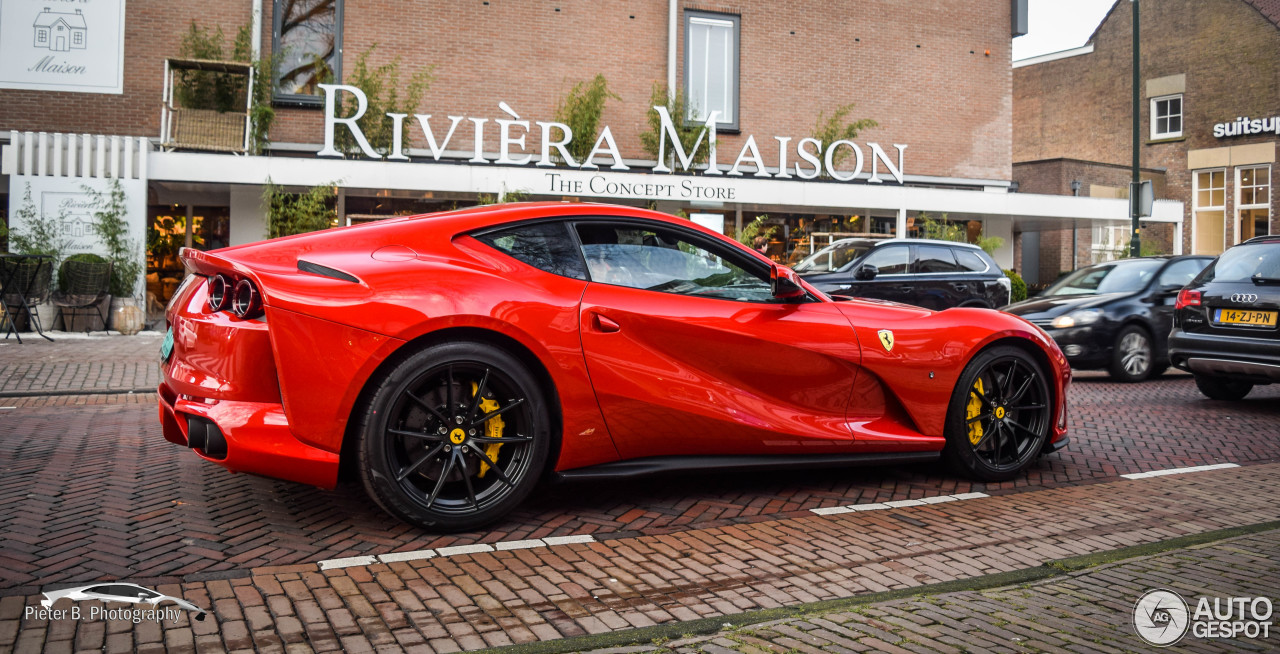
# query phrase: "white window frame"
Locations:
[[1196, 209], [1240, 206], [1182, 112], [734, 22]]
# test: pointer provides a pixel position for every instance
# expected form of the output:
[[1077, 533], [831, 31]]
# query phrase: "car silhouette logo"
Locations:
[[118, 592], [1244, 297]]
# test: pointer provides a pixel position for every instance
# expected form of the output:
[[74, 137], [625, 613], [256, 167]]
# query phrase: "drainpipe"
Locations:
[[1075, 228], [671, 45], [257, 29]]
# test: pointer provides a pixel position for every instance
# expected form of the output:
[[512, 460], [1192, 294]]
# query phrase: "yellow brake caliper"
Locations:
[[972, 410], [492, 429]]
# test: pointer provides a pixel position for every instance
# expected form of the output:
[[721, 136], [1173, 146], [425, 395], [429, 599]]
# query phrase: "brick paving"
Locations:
[[75, 363], [90, 491], [1087, 611], [473, 601]]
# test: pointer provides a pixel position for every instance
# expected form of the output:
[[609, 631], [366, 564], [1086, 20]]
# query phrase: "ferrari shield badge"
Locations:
[[886, 339]]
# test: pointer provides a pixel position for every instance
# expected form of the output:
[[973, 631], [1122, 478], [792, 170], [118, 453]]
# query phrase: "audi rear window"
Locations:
[[545, 246], [1256, 262]]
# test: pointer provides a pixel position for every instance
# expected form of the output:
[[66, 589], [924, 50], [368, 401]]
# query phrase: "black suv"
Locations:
[[931, 274], [1224, 327], [1114, 315]]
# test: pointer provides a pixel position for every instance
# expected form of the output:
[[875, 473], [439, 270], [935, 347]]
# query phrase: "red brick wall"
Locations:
[[919, 69], [1079, 107]]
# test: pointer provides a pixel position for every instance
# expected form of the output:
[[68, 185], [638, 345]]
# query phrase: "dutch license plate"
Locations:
[[1245, 317], [166, 348]]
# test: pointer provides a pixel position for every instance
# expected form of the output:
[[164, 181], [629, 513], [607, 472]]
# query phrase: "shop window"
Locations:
[[1166, 117], [308, 36], [1209, 211], [1253, 205], [711, 67]]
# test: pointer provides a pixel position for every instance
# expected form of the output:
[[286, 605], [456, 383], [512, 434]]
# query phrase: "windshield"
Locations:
[[832, 258], [1116, 277], [1260, 261]]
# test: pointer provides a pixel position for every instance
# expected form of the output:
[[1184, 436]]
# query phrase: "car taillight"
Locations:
[[1187, 298], [220, 291], [246, 303]]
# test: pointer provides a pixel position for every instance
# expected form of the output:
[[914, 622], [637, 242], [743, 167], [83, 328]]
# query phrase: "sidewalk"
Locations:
[[75, 363], [1085, 611]]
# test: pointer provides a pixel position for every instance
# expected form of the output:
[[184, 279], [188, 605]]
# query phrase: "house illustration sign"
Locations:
[[62, 45]]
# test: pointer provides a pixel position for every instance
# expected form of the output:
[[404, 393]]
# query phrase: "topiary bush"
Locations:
[[1018, 290], [83, 256]]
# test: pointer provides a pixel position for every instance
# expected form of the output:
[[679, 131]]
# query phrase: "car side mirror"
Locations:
[[866, 272], [784, 283]]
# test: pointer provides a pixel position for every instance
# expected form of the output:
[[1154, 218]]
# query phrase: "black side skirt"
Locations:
[[659, 465]]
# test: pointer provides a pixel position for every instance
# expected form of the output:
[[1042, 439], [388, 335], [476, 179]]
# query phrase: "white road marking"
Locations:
[[456, 550], [880, 506], [351, 561], [1179, 471]]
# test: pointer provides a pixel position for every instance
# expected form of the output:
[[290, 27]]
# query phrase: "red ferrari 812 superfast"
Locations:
[[456, 359]]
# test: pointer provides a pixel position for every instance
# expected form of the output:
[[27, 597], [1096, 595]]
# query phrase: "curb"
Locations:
[[78, 391], [705, 626]]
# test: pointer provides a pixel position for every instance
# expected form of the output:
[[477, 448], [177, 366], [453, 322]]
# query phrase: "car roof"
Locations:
[[1269, 238], [881, 242]]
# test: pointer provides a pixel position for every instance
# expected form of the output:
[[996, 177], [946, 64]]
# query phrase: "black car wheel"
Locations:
[[999, 416], [1220, 388], [454, 437], [1132, 356]]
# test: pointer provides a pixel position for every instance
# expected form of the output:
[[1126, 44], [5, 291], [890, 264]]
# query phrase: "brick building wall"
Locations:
[[1079, 107], [935, 75]]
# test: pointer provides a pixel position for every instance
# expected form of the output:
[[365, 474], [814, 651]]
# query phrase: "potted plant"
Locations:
[[38, 234], [127, 316]]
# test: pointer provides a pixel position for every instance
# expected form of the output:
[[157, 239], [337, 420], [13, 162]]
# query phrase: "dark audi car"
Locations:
[[1114, 315], [931, 274], [1224, 329]]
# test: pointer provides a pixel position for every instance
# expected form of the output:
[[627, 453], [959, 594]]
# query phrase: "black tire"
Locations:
[[1221, 388], [425, 452], [1013, 414], [1133, 356]]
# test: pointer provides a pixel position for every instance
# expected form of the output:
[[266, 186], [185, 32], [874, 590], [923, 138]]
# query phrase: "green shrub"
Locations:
[[581, 110], [290, 213], [83, 256], [1018, 290]]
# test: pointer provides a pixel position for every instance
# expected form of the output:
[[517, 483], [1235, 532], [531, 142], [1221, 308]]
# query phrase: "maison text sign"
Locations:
[[812, 158], [62, 45]]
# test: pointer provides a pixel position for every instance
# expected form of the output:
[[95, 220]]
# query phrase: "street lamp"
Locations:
[[1135, 244], [1075, 192]]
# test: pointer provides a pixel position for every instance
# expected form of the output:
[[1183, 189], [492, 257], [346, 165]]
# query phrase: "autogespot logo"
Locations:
[[1161, 617]]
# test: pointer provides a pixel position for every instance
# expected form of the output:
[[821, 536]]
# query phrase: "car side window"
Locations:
[[544, 245], [969, 261], [891, 260], [658, 259], [1181, 273], [935, 259]]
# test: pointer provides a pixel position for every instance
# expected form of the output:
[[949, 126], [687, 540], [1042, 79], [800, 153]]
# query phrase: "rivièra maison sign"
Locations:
[[554, 137]]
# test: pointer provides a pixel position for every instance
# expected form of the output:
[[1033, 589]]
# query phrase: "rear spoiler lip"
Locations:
[[209, 264]]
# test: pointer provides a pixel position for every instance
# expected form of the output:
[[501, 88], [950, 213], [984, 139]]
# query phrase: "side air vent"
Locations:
[[326, 271]]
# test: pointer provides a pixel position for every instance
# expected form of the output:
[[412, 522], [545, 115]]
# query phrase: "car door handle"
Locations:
[[906, 289], [605, 325], [960, 287]]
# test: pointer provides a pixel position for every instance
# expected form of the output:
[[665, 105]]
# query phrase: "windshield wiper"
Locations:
[[1259, 279]]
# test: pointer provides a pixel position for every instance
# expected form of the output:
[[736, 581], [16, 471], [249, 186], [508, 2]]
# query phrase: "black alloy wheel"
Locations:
[[1000, 415], [455, 437]]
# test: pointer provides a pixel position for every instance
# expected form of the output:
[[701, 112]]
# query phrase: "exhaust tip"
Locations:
[[203, 434]]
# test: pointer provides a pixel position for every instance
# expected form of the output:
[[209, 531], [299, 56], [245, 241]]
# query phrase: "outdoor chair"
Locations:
[[26, 283], [86, 284]]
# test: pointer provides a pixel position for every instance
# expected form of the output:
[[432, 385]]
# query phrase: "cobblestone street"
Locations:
[[90, 491]]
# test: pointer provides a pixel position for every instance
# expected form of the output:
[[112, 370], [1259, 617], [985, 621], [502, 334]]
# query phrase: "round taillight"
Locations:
[[246, 303], [220, 291]]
